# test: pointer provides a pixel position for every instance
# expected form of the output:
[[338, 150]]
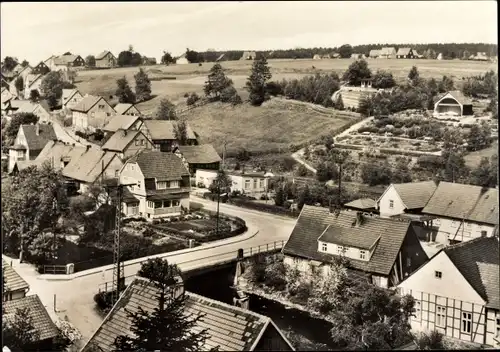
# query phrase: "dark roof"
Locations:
[[461, 201], [89, 165], [87, 103], [415, 195], [313, 221], [349, 237], [362, 203], [119, 141], [122, 108], [119, 121], [478, 261], [164, 129], [165, 194], [103, 54], [13, 281], [457, 95], [38, 142], [403, 51], [128, 196], [41, 319], [65, 59], [229, 327], [199, 154], [159, 165]]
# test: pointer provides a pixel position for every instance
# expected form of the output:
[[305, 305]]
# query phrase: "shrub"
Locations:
[[275, 276], [192, 99], [68, 121], [302, 171], [103, 301], [98, 135], [301, 293]]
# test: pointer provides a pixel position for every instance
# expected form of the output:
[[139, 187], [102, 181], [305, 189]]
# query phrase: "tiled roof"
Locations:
[[229, 327], [313, 221], [89, 166], [55, 151], [68, 93], [64, 59], [375, 52], [362, 203], [120, 122], [404, 51], [160, 165], [415, 195], [350, 237], [164, 194], [387, 51], [199, 154], [87, 103], [120, 140], [457, 95], [102, 55], [13, 281], [122, 108], [164, 129], [38, 142], [468, 202], [478, 261], [41, 319]]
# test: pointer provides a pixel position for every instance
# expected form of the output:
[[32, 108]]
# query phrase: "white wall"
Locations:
[[205, 177], [470, 230], [349, 252], [385, 201]]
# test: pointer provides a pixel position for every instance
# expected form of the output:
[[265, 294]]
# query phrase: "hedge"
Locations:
[[269, 208]]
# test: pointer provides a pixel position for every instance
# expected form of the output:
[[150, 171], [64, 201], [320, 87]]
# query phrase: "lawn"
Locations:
[[472, 159], [272, 126]]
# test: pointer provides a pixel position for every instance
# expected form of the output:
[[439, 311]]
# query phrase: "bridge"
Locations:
[[203, 265]]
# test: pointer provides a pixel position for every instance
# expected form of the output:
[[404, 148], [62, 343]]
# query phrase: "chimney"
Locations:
[[359, 219], [37, 129]]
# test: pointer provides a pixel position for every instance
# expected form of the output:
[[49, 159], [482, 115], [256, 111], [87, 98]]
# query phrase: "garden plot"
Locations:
[[402, 144]]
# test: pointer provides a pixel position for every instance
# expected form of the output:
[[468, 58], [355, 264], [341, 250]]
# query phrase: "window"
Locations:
[[101, 106], [92, 114], [175, 203], [117, 173], [324, 247], [437, 222], [158, 204], [162, 184], [498, 326], [441, 316], [469, 225], [137, 142], [167, 204], [438, 274], [261, 183], [340, 250], [247, 184], [151, 204], [138, 184], [362, 254], [483, 233], [255, 184], [132, 167], [418, 311], [391, 204], [296, 260], [466, 322], [143, 142]]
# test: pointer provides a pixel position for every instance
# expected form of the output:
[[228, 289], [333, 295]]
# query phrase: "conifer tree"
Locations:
[[124, 92], [142, 86], [256, 82]]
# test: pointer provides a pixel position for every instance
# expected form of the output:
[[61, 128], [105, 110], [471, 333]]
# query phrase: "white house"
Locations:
[[32, 82], [91, 113], [384, 250], [182, 60], [463, 212], [253, 184], [457, 292], [401, 198], [71, 98]]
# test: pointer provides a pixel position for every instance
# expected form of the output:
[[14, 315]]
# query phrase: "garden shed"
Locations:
[[453, 103]]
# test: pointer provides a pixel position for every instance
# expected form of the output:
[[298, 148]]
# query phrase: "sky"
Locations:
[[36, 30]]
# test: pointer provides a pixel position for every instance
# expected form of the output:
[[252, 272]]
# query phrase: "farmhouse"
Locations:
[[30, 141], [457, 292], [197, 157], [32, 82], [228, 327], [161, 185], [71, 98], [253, 184], [182, 60], [249, 55], [127, 109], [40, 109], [463, 212], [14, 286], [123, 122], [374, 53], [388, 53], [127, 143], [106, 59], [453, 103], [64, 62], [400, 198], [405, 53], [317, 57], [363, 204], [383, 249], [91, 113], [91, 166], [162, 134], [41, 69]]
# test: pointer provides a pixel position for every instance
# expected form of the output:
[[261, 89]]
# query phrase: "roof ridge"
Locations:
[[465, 243]]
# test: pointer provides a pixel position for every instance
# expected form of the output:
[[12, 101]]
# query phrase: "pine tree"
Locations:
[[166, 327], [166, 110], [217, 82], [124, 92], [256, 82], [413, 75], [142, 86]]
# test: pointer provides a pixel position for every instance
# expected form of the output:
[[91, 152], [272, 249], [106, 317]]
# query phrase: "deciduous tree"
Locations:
[[193, 56], [180, 132], [216, 83], [19, 84], [90, 61], [166, 110], [383, 79], [222, 183], [9, 63], [25, 63], [142, 86], [345, 51], [34, 96], [52, 87], [256, 82], [18, 119], [167, 58], [124, 92], [18, 332], [486, 173], [446, 84], [357, 71]]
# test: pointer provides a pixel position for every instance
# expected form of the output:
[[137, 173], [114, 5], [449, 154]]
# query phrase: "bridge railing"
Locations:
[[200, 262]]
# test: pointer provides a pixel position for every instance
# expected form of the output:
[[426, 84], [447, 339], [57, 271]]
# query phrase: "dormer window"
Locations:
[[163, 184]]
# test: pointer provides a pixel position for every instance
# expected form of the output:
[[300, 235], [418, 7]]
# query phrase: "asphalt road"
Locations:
[[74, 299]]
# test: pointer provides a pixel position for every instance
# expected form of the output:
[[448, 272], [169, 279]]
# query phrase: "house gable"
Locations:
[[452, 283], [384, 202]]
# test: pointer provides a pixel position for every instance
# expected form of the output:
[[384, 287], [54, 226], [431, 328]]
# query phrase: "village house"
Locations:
[[64, 62], [453, 103], [197, 157], [228, 327], [41, 69], [400, 198], [127, 109], [94, 165], [317, 57], [181, 60], [357, 56], [457, 292], [14, 285], [463, 212], [91, 113], [387, 53], [71, 98], [162, 134], [30, 141], [161, 185], [374, 53], [6, 97], [127, 143], [50, 62], [252, 184], [32, 82], [106, 59], [123, 122], [385, 250], [249, 55], [40, 109], [366, 205], [405, 53]]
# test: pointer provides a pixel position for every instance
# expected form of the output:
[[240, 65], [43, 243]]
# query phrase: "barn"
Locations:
[[453, 103]]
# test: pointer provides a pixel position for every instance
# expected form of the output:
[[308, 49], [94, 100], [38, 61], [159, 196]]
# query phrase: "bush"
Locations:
[[98, 135], [301, 293], [302, 171], [103, 301], [68, 121], [186, 95], [192, 99], [275, 276]]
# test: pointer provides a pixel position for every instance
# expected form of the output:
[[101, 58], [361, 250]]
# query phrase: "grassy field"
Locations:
[[472, 159], [271, 126]]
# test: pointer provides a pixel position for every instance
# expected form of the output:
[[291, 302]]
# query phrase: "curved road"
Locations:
[[74, 298]]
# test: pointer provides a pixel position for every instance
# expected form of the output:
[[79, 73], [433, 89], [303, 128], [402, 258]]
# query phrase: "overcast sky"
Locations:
[[34, 31]]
